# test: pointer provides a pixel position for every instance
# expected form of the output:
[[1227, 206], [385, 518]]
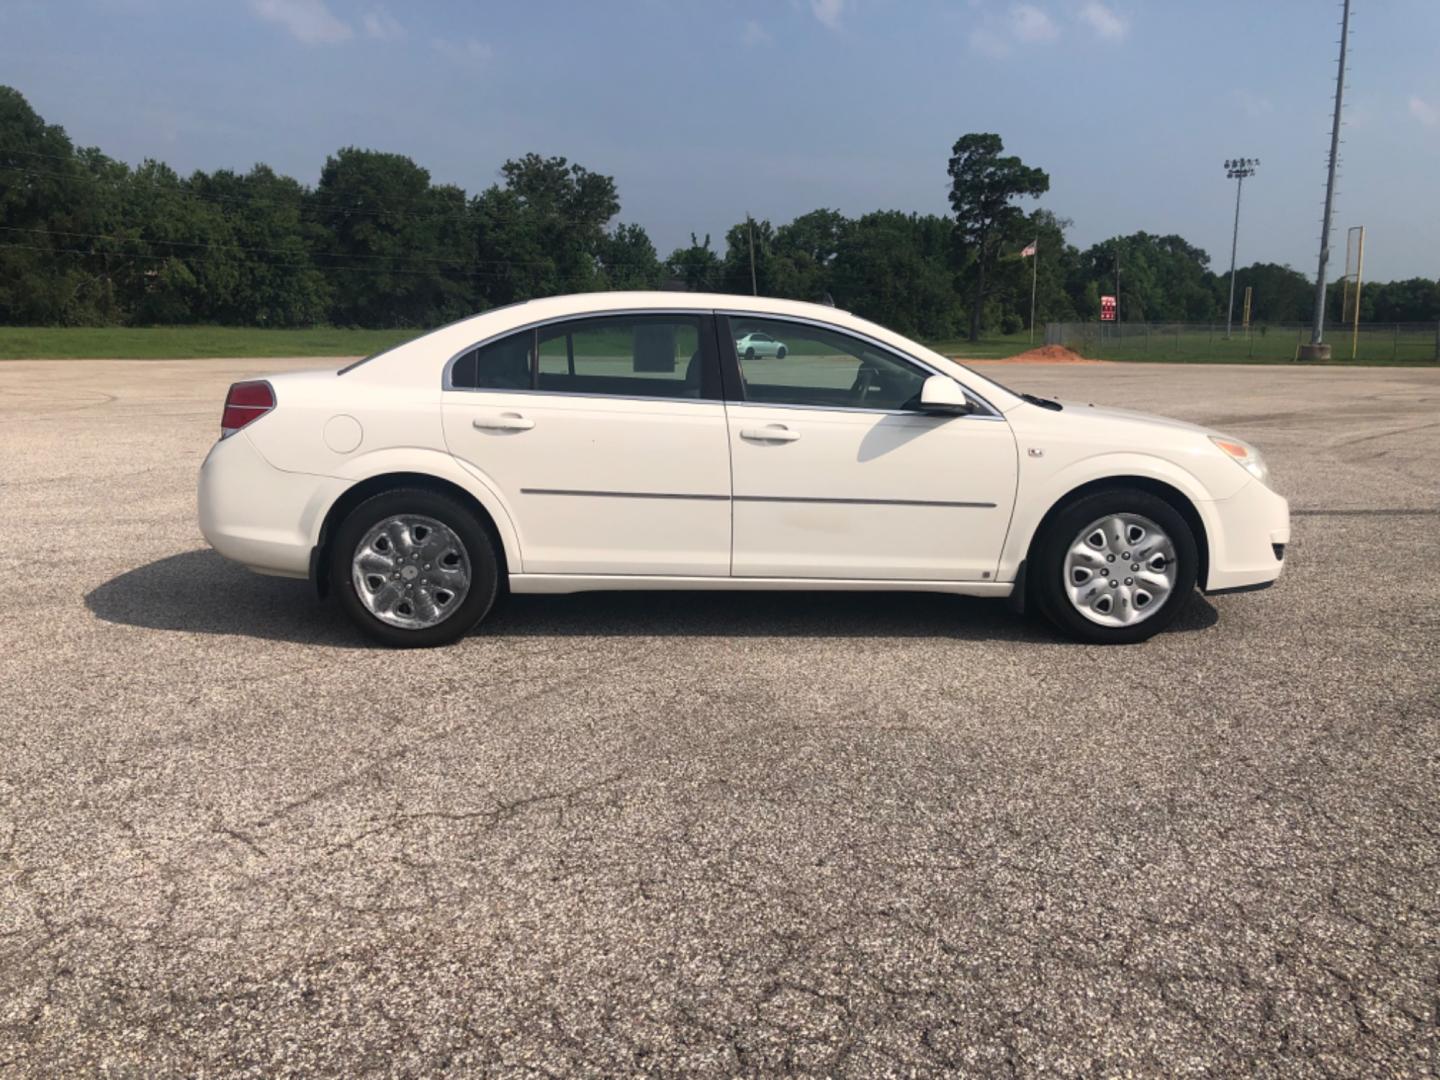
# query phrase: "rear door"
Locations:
[[838, 475], [607, 438]]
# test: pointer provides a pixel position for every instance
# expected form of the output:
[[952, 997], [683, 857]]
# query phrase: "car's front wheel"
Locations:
[[780, 353], [1115, 567], [414, 568]]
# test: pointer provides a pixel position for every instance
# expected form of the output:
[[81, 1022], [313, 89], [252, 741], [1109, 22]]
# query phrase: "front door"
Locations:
[[836, 475], [606, 436]]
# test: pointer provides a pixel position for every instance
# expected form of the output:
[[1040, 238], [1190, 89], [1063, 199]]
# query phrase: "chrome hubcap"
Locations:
[[1120, 570], [410, 571]]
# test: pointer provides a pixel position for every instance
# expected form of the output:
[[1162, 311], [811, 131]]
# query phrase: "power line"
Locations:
[[456, 271], [309, 199], [312, 254]]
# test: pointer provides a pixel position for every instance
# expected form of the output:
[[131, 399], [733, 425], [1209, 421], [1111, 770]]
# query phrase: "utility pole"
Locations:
[[1034, 278], [1317, 350], [750, 226], [1236, 169], [1359, 285], [1117, 279]]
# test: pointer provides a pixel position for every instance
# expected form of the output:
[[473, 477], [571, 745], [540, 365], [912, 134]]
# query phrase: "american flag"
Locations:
[[1030, 250]]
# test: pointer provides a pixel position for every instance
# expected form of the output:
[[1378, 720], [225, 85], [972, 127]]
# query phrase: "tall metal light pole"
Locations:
[[1316, 350], [1236, 169]]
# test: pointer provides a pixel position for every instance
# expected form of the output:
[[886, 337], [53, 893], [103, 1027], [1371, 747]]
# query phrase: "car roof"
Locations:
[[449, 340], [585, 303]]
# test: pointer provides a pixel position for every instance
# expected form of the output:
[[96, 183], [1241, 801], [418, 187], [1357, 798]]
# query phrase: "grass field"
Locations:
[[1379, 346], [998, 347], [184, 342]]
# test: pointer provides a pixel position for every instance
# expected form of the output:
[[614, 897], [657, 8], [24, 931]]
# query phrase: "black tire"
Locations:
[[780, 353], [479, 550], [1045, 573]]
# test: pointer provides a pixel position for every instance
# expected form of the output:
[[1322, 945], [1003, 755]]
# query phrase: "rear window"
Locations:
[[500, 365], [662, 356]]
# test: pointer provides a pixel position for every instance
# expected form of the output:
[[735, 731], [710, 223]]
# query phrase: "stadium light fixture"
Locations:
[[1236, 169]]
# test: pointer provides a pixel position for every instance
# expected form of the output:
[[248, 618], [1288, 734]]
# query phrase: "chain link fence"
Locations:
[[1376, 343]]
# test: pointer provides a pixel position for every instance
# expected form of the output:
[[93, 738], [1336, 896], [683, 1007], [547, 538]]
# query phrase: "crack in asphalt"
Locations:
[[841, 836]]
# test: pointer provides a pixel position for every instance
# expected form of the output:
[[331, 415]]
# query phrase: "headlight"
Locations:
[[1246, 456]]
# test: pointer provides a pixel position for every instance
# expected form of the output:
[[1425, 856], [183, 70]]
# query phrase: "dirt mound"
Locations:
[[1045, 354]]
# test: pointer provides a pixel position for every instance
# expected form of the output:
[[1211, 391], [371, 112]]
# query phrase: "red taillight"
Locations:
[[246, 403]]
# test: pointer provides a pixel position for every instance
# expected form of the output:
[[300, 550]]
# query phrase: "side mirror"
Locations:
[[942, 396]]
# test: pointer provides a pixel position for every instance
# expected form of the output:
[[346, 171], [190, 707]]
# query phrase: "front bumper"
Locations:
[[1247, 536], [263, 517]]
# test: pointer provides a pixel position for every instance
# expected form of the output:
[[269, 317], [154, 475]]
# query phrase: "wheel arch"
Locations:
[[358, 492], [1177, 499]]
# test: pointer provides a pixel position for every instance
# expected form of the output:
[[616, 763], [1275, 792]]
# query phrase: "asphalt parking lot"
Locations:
[[713, 834]]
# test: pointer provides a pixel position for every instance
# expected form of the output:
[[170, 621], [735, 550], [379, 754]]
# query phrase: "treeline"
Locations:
[[87, 240]]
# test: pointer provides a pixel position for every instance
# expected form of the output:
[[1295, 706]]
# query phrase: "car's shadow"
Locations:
[[201, 593]]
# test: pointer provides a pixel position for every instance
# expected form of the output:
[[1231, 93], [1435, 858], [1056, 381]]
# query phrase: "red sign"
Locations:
[[1107, 309]]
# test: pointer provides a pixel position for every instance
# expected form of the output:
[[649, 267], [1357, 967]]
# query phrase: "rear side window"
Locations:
[[501, 365], [663, 356], [626, 356]]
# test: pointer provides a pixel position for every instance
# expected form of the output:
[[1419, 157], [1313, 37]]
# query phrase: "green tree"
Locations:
[[543, 231], [735, 268], [1056, 263], [697, 265], [893, 268], [393, 245], [628, 259], [804, 254], [983, 187], [1162, 278], [278, 283], [1410, 300], [1279, 294], [178, 260], [43, 199]]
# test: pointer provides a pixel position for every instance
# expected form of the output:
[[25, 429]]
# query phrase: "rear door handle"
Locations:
[[510, 421], [769, 433]]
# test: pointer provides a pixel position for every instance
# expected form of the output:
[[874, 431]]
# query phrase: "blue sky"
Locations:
[[703, 111]]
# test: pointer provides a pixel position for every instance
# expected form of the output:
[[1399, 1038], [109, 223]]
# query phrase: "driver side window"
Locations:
[[797, 364]]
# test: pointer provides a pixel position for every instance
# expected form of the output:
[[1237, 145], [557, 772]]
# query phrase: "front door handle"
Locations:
[[769, 433], [510, 421]]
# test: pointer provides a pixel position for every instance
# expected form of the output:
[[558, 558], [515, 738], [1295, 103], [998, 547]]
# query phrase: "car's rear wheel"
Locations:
[[1115, 567], [780, 353], [414, 568]]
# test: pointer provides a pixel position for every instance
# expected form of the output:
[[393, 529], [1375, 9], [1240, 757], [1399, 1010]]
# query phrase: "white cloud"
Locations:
[[470, 50], [828, 11], [308, 21], [1253, 105], [1029, 23], [996, 35], [380, 25], [987, 41], [756, 35], [1105, 21], [1426, 113]]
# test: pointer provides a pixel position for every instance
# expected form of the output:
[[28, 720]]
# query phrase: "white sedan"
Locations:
[[622, 441], [758, 343]]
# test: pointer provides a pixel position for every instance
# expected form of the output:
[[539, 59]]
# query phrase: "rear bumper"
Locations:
[[1247, 536], [258, 515]]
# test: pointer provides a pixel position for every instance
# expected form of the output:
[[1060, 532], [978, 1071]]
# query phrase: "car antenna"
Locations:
[[827, 300]]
